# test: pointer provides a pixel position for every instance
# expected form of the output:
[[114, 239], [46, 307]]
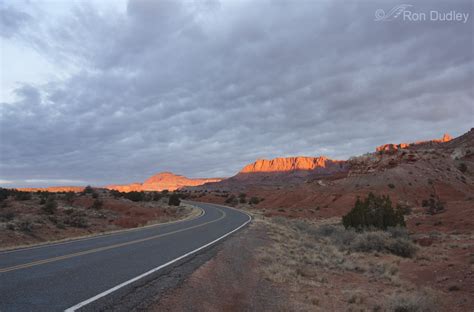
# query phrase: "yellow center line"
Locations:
[[86, 252]]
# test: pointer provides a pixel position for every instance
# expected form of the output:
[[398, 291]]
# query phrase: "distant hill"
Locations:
[[162, 181]]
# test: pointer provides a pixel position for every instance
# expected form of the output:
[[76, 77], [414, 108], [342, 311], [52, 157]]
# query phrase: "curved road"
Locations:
[[77, 274]]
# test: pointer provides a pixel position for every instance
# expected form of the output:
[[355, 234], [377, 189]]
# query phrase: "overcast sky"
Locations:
[[98, 92]]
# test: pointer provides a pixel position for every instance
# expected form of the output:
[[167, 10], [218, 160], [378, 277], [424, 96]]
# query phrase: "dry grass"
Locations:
[[422, 301], [326, 267]]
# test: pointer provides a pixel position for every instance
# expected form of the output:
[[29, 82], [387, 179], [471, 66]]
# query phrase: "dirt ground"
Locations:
[[231, 281], [284, 264]]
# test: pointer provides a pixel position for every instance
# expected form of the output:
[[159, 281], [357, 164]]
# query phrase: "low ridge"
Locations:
[[392, 147]]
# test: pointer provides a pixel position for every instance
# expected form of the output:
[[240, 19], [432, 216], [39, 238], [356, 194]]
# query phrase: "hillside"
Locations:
[[441, 169], [279, 172]]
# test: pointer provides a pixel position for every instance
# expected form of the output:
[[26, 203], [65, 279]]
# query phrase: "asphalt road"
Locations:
[[78, 274]]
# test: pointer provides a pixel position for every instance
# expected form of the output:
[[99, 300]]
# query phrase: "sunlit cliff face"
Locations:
[[162, 181], [289, 164], [390, 147]]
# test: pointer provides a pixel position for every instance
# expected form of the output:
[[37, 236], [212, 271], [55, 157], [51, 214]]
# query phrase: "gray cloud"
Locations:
[[11, 20], [202, 88]]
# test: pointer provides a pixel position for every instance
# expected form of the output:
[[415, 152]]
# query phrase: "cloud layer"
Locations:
[[202, 88]]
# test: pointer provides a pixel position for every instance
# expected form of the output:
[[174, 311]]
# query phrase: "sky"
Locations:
[[100, 92]]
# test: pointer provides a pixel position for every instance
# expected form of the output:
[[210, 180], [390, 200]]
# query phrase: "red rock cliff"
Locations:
[[285, 164], [392, 147]]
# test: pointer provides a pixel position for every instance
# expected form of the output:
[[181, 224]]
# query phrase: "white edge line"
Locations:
[[99, 235], [130, 281]]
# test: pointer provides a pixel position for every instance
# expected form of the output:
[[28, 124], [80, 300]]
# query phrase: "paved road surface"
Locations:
[[68, 275]]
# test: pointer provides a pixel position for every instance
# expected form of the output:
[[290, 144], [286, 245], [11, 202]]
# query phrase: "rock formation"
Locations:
[[393, 147], [285, 164], [162, 181]]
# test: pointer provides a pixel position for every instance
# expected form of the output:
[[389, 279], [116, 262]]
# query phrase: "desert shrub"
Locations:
[[7, 216], [327, 230], [147, 196], [412, 302], [174, 200], [462, 167], [370, 241], [402, 247], [97, 204], [88, 190], [391, 185], [25, 226], [345, 237], [116, 194], [231, 200], [280, 220], [404, 209], [398, 232], [68, 211], [50, 206], [254, 200], [95, 195], [374, 211], [156, 196], [22, 196], [134, 196], [69, 197], [433, 206], [53, 219], [4, 193], [303, 226], [164, 192], [394, 240], [242, 198], [76, 219]]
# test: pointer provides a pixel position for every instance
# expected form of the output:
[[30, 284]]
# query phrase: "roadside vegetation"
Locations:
[[31, 217], [333, 265]]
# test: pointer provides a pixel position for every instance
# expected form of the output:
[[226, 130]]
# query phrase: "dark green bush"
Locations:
[[254, 201], [231, 200], [88, 190], [174, 200], [373, 212], [135, 196], [462, 167], [434, 206], [156, 196], [23, 196], [4, 193]]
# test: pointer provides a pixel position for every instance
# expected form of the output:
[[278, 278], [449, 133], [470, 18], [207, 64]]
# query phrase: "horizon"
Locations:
[[31, 184], [111, 92]]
